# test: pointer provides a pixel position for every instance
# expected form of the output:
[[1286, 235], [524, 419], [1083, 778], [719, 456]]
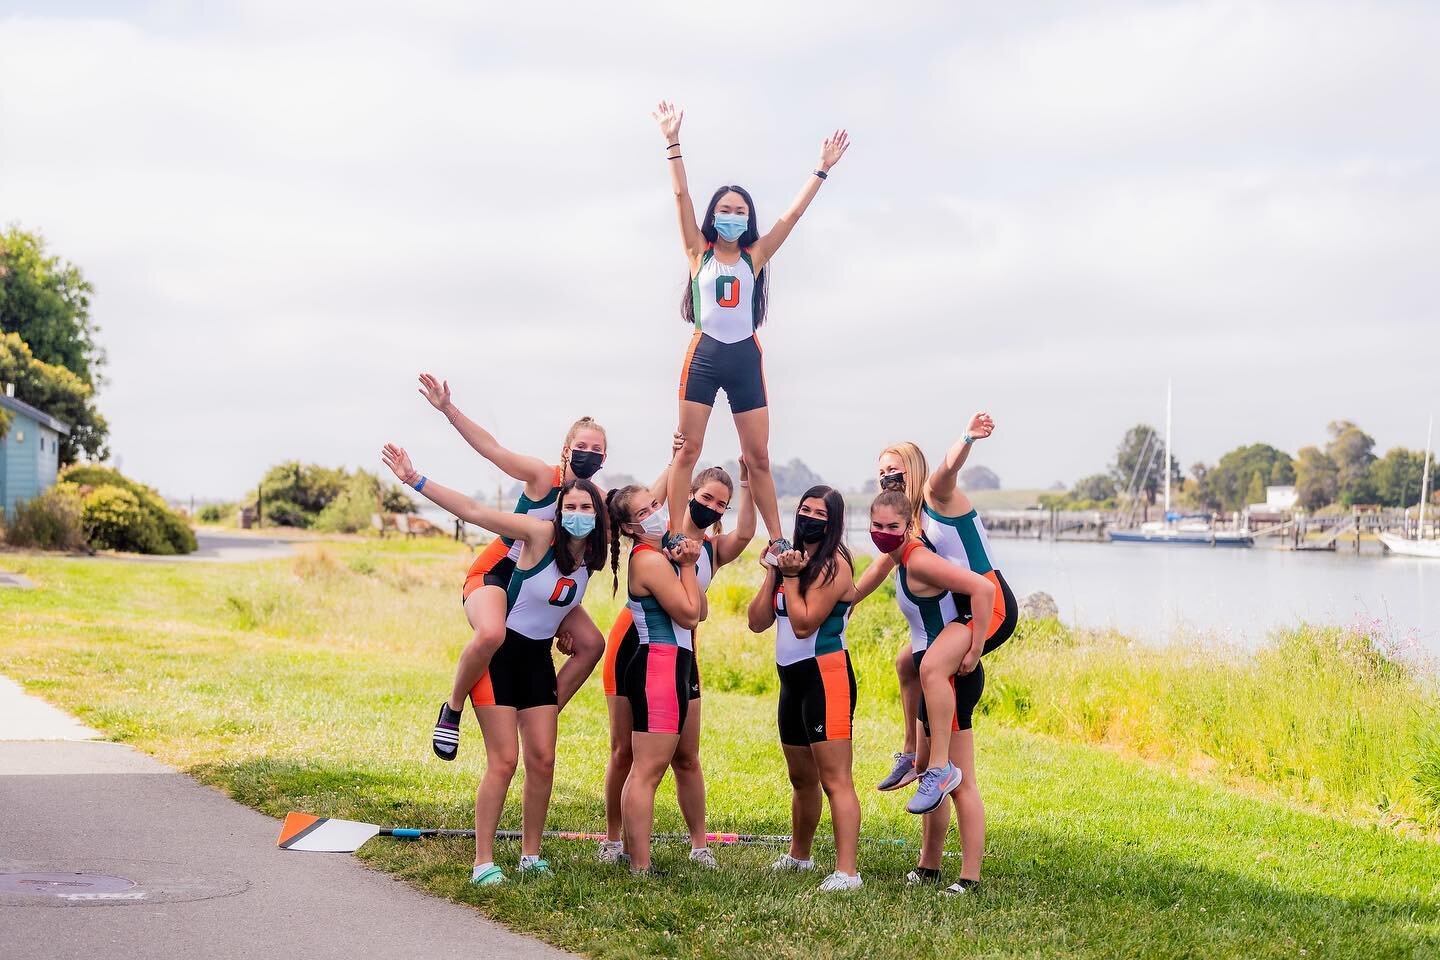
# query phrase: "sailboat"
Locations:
[[1175, 528], [1419, 547]]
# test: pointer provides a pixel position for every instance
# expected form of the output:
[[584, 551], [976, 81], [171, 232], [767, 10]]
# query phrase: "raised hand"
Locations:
[[686, 552], [677, 442], [744, 470], [436, 391], [669, 119], [399, 463], [833, 149], [790, 563], [980, 426]]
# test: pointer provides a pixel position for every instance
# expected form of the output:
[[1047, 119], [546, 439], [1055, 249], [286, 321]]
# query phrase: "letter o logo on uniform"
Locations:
[[727, 291], [564, 593]]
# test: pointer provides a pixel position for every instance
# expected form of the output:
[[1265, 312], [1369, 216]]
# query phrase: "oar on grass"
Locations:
[[305, 831]]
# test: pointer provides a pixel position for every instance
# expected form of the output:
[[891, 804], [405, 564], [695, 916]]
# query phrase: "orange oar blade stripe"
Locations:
[[296, 825]]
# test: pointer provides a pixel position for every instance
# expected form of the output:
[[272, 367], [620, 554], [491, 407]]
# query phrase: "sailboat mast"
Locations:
[[1425, 479], [1166, 468]]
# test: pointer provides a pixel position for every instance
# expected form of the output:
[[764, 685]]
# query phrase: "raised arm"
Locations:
[[660, 489], [731, 545], [941, 485], [516, 526], [535, 473], [807, 613], [761, 612], [680, 595], [831, 151], [669, 119], [873, 576]]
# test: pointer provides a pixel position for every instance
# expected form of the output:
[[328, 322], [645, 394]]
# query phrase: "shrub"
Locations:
[[141, 522], [217, 512], [50, 521]]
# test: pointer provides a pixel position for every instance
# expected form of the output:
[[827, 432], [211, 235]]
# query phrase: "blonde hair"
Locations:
[[912, 460], [584, 423]]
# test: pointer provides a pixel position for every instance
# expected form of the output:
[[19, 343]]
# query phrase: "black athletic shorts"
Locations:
[[967, 694], [1000, 630], [817, 699], [520, 675], [711, 366]]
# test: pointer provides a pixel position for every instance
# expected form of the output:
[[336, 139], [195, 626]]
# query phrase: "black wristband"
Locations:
[[822, 174], [672, 146], [676, 157]]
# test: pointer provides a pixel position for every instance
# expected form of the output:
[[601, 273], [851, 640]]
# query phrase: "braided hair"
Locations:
[[617, 505]]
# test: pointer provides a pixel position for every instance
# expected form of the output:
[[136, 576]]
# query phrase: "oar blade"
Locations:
[[305, 831]]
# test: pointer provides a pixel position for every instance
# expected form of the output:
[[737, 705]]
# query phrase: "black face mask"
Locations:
[[704, 516], [810, 529], [893, 481], [584, 463]]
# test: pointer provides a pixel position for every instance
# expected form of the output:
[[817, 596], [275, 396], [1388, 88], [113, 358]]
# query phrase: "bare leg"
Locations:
[[833, 761], [804, 800], [652, 755], [537, 739], [909, 694], [754, 429], [589, 648], [694, 418], [485, 609], [968, 805], [619, 766], [935, 825], [502, 747], [689, 780], [940, 663]]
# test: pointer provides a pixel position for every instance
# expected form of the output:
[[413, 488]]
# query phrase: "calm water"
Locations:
[[1235, 595]]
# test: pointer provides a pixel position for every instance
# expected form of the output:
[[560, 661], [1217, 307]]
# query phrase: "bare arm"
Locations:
[[680, 596], [731, 545], [669, 119], [831, 151], [941, 486], [536, 474], [516, 526], [873, 576], [807, 613], [935, 570], [660, 489], [761, 612]]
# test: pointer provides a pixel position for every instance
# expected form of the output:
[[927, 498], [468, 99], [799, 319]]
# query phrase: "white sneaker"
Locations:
[[610, 850], [838, 881], [705, 858], [787, 862]]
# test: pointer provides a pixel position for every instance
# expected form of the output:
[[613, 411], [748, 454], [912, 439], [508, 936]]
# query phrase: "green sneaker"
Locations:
[[536, 866], [488, 877]]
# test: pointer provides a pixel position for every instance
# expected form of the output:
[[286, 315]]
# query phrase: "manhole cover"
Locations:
[[105, 882], [67, 886]]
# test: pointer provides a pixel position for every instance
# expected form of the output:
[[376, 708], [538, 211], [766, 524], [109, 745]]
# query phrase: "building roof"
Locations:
[[34, 413]]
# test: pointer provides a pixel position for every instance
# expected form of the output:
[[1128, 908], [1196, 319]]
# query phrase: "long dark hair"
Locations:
[[594, 540], [761, 299], [617, 506], [821, 565]]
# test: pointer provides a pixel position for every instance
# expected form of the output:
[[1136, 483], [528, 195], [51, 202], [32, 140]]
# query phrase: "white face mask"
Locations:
[[656, 524]]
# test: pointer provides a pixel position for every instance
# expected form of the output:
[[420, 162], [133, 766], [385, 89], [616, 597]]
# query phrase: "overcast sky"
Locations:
[[288, 213]]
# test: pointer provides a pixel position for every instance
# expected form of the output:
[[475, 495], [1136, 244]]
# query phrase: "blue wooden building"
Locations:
[[29, 452]]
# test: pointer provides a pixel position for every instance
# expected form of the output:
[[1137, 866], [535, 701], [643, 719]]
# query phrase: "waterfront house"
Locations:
[[29, 452]]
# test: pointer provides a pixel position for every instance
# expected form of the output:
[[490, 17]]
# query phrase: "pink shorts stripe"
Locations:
[[662, 702]]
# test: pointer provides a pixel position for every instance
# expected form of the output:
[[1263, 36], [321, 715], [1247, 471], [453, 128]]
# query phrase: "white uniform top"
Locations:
[[960, 539], [723, 298], [828, 639], [537, 599], [927, 616], [705, 566]]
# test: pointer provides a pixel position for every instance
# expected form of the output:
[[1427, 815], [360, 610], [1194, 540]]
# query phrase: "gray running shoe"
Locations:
[[611, 850], [902, 773], [787, 862], [935, 785], [705, 858], [771, 556]]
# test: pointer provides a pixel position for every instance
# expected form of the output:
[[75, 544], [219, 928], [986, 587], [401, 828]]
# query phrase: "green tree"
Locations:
[[1097, 488], [58, 392], [1255, 493], [1201, 487], [1352, 451], [1396, 477], [1229, 482], [295, 494], [1317, 478], [1139, 460], [46, 300]]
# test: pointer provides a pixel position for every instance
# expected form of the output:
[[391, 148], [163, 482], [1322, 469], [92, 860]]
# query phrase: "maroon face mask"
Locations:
[[887, 542]]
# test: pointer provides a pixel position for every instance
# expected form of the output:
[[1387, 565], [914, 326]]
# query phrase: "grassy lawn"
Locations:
[[310, 684]]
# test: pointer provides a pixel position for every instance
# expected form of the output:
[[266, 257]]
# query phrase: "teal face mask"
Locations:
[[731, 226], [577, 524]]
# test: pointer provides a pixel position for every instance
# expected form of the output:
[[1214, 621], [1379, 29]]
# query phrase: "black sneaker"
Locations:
[[962, 886], [772, 552], [445, 741]]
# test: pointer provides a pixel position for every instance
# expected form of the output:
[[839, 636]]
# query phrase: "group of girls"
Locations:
[[522, 594]]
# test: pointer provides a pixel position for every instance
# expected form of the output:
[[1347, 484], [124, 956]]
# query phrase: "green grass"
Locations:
[[310, 684]]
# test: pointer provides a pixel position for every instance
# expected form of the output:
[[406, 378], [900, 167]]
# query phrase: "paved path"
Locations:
[[210, 882]]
